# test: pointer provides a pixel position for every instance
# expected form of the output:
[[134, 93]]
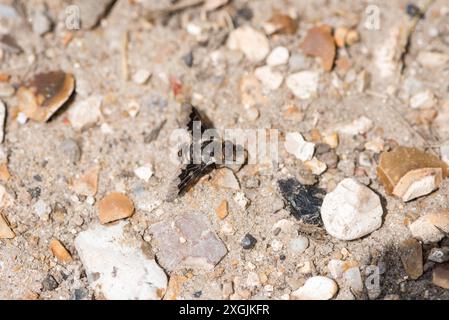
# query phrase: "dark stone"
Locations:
[[198, 294], [38, 178], [248, 242], [79, 294], [304, 201], [282, 257], [50, 283], [413, 10], [242, 15], [34, 192], [188, 59], [321, 148]]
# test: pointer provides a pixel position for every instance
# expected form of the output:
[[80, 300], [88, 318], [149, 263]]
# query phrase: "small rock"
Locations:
[[50, 283], [5, 230], [141, 76], [296, 145], [59, 251], [119, 265], [269, 78], [316, 166], [6, 90], [252, 113], [353, 278], [278, 56], [359, 126], [304, 84], [92, 11], [351, 211], [42, 209], [87, 184], [225, 178], [71, 149], [86, 113], [187, 242], [222, 210], [248, 242], [432, 59], [352, 37], [115, 206], [409, 173], [144, 172], [423, 100], [440, 276], [253, 280], [340, 36], [320, 43], [280, 23], [299, 244], [316, 288], [188, 59], [254, 44], [241, 200], [41, 23], [439, 255], [431, 227], [411, 257], [331, 139]]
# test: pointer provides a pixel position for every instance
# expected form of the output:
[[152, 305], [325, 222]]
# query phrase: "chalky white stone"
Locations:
[[316, 288], [304, 84], [351, 211], [278, 56], [254, 44], [296, 145], [118, 265]]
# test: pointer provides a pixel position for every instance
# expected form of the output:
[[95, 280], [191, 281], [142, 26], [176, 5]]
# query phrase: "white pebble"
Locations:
[[278, 56], [423, 100], [317, 288], [297, 146], [269, 78], [299, 244], [141, 76], [304, 84], [254, 44], [144, 172]]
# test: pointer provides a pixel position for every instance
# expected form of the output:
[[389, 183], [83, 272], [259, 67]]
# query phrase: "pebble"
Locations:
[[115, 206], [409, 173], [359, 126], [85, 113], [278, 56], [6, 90], [439, 255], [270, 79], [280, 23], [70, 148], [141, 76], [42, 209], [92, 11], [423, 100], [303, 84], [316, 166], [225, 178], [440, 276], [41, 23], [353, 278], [187, 242], [432, 59], [59, 251], [119, 265], [254, 44], [144, 172], [412, 258], [188, 59], [49, 283], [297, 146], [320, 43], [222, 210], [5, 230], [351, 211], [248, 242], [316, 288], [431, 227], [87, 184], [22, 118], [299, 244], [241, 200], [276, 245]]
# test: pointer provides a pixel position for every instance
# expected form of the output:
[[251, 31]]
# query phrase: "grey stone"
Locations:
[[92, 11], [70, 149], [439, 255]]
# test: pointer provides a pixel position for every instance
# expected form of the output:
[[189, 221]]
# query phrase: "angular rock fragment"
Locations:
[[411, 257], [254, 44], [278, 56], [87, 184], [115, 206], [431, 228], [280, 23], [86, 113], [304, 201], [303, 84], [225, 178], [187, 242], [296, 145], [409, 173], [5, 230], [119, 265], [439, 255], [269, 78], [222, 210], [316, 288], [351, 211], [42, 96], [59, 251], [440, 276], [320, 43]]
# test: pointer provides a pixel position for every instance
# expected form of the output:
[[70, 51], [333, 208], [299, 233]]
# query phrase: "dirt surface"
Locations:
[[119, 143]]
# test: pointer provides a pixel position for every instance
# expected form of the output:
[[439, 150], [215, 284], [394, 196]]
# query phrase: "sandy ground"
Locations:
[[36, 161]]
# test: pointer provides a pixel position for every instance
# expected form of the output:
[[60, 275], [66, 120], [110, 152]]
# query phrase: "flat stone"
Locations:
[[316, 288], [59, 251], [187, 242], [351, 211], [439, 255], [242, 200], [119, 265], [316, 166], [85, 113], [411, 257], [5, 230], [297, 146], [303, 84], [115, 206], [278, 56], [320, 43], [440, 276], [254, 44], [270, 79], [87, 184], [431, 227]]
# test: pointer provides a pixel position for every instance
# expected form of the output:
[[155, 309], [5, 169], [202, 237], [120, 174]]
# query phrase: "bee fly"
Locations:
[[204, 152]]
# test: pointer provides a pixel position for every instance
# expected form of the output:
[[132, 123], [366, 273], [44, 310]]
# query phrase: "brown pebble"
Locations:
[[283, 24], [352, 37], [115, 206], [411, 257], [320, 43], [340, 36], [59, 251], [440, 276], [4, 172], [5, 230], [87, 184], [222, 210]]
